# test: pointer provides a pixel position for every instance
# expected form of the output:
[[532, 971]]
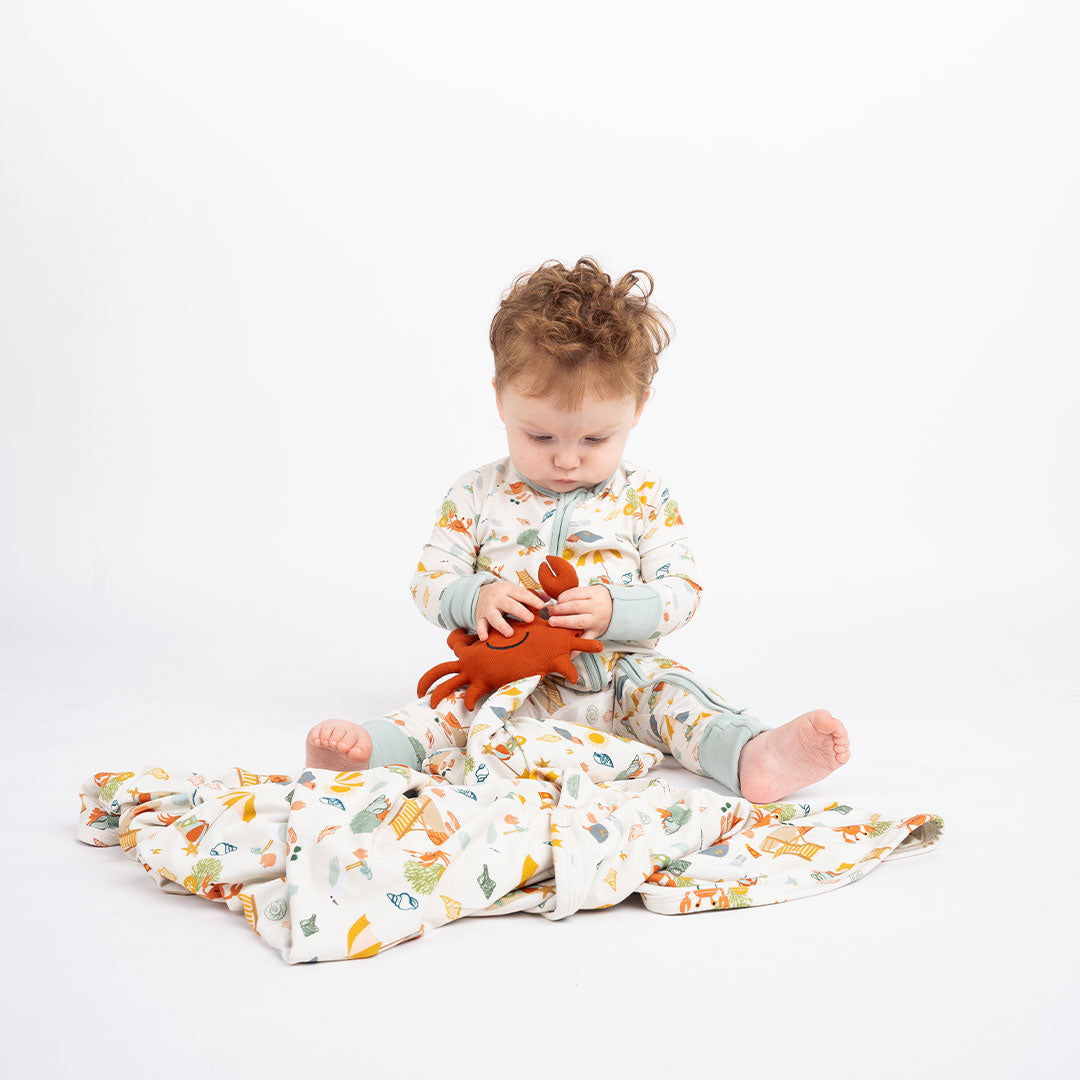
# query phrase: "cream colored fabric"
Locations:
[[530, 815]]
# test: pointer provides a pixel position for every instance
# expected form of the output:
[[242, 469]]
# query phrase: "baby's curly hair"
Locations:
[[559, 333]]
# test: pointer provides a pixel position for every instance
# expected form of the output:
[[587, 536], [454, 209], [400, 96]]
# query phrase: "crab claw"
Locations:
[[556, 576]]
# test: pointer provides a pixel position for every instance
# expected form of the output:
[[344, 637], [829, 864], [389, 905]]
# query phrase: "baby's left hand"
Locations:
[[586, 608]]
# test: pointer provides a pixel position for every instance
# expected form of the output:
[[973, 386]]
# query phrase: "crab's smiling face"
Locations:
[[512, 644], [518, 637]]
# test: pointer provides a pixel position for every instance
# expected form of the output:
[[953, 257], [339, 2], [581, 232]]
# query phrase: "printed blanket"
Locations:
[[532, 815]]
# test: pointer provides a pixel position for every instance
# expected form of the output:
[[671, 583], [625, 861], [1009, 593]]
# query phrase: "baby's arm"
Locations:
[[446, 582], [669, 593]]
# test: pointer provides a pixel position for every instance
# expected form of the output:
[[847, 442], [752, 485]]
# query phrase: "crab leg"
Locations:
[[429, 677], [564, 666], [447, 687]]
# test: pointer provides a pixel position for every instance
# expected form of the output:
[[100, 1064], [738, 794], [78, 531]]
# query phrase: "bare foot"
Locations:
[[338, 744], [784, 759]]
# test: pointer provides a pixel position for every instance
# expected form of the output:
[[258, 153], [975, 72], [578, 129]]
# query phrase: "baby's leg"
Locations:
[[760, 763], [403, 737], [707, 741]]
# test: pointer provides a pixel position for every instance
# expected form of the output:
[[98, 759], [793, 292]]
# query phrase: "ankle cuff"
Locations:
[[725, 736]]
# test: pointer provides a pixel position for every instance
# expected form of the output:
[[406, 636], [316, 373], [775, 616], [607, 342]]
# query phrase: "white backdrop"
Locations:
[[248, 258]]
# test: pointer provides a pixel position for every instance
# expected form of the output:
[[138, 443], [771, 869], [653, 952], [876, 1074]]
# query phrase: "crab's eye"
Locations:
[[544, 613]]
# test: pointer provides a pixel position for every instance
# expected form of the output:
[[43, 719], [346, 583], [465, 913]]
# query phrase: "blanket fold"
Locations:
[[533, 816]]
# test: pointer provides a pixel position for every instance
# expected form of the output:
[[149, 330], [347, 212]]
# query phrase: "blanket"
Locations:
[[531, 815]]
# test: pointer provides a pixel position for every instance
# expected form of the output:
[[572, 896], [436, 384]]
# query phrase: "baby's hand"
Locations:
[[497, 599], [586, 608]]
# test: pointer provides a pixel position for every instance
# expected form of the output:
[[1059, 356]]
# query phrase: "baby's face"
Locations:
[[562, 450]]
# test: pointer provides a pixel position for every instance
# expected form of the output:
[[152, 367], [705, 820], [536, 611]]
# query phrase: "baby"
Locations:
[[574, 359]]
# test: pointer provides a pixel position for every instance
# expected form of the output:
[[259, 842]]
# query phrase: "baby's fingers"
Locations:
[[572, 594], [482, 629], [519, 611], [571, 622], [525, 597]]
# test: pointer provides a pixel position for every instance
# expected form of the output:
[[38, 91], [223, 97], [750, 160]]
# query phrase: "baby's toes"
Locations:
[[842, 748], [339, 733], [318, 735], [326, 733], [824, 723], [346, 740]]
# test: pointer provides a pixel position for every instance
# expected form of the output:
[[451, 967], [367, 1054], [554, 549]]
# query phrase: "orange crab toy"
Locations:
[[535, 648]]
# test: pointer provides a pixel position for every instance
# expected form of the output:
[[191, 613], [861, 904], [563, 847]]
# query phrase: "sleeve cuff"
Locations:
[[457, 605], [635, 612], [391, 746]]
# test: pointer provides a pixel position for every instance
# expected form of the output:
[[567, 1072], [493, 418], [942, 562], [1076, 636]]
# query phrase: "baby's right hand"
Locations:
[[497, 599]]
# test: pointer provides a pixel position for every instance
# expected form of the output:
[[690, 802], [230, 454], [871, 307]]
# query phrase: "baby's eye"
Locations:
[[596, 440], [540, 438]]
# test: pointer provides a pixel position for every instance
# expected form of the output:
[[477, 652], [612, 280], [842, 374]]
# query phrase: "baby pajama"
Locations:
[[626, 534]]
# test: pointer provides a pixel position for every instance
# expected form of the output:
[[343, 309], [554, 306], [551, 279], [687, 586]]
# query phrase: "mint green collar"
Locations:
[[558, 494]]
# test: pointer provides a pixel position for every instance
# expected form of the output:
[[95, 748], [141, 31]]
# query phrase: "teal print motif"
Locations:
[[677, 817], [368, 819], [277, 909], [308, 926], [530, 541], [485, 883], [597, 831]]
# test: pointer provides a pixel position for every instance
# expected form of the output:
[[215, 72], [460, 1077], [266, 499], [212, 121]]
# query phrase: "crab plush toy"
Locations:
[[534, 648]]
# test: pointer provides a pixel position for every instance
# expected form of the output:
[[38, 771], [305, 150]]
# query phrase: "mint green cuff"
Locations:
[[457, 605], [391, 746], [636, 611], [725, 735]]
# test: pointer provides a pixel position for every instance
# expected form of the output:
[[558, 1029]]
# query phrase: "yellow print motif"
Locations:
[[593, 557], [239, 797]]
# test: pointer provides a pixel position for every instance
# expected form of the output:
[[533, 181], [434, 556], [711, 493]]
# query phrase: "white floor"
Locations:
[[959, 962]]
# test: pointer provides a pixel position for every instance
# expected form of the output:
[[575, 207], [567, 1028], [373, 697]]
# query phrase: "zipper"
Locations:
[[560, 526], [677, 678], [594, 669], [560, 529]]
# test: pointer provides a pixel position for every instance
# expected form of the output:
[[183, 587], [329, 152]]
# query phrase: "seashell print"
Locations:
[[277, 909]]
